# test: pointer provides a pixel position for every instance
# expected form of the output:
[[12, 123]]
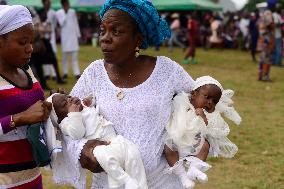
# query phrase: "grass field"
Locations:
[[259, 164]]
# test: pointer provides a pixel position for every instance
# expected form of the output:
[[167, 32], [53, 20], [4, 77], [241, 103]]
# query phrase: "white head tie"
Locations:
[[13, 17], [206, 80], [225, 104]]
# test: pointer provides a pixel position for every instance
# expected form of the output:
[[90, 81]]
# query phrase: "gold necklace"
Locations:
[[120, 95]]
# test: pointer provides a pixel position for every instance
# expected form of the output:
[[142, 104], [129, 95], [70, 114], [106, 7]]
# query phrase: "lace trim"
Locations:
[[67, 168]]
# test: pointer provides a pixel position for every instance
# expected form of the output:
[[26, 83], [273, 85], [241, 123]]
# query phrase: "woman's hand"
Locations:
[[87, 158], [37, 112], [204, 151]]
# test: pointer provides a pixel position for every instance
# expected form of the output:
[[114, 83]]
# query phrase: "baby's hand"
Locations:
[[200, 112], [75, 106], [88, 101]]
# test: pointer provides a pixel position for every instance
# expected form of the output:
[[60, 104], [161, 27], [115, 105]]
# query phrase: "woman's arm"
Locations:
[[171, 156], [87, 158], [38, 112], [204, 151]]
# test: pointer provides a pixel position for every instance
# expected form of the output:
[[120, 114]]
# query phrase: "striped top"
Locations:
[[17, 167]]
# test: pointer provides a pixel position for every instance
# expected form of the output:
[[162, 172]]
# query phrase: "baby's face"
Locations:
[[206, 97], [62, 104]]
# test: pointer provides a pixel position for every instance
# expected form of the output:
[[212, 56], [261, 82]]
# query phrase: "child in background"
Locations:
[[266, 46], [120, 159], [196, 118]]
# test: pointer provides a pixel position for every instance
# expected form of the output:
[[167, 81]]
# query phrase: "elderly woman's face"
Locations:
[[118, 38], [16, 46]]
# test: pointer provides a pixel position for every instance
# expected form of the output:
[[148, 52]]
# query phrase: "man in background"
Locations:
[[70, 34]]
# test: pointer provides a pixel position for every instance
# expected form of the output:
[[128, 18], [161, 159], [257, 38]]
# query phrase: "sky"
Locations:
[[239, 3]]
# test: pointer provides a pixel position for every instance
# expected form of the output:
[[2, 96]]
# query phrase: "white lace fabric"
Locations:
[[141, 116], [216, 133], [67, 168]]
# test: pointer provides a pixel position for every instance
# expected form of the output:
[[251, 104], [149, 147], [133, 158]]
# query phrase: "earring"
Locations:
[[137, 51]]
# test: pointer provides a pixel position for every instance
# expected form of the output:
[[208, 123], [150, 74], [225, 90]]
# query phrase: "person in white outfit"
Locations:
[[196, 118], [78, 119], [70, 34], [51, 18], [133, 91], [47, 30]]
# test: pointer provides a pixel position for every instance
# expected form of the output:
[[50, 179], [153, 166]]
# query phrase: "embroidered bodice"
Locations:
[[141, 116]]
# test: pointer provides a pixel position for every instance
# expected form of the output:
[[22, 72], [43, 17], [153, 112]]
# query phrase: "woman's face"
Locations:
[[206, 97], [118, 38], [16, 47]]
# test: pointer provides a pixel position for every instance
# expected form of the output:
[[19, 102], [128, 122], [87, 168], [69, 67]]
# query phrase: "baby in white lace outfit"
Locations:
[[197, 118], [120, 159]]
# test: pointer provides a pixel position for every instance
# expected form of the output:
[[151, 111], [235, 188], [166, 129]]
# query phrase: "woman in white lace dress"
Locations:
[[133, 91]]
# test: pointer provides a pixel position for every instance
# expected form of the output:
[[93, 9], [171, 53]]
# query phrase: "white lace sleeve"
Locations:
[[84, 88], [216, 132], [180, 80], [225, 106]]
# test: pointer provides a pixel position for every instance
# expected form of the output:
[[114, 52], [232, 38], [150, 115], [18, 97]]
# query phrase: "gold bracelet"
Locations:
[[12, 122]]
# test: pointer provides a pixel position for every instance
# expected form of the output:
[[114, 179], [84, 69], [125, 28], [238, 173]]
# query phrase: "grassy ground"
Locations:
[[259, 164]]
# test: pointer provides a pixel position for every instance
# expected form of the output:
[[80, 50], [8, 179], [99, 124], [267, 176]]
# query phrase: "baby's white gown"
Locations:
[[120, 159], [187, 131]]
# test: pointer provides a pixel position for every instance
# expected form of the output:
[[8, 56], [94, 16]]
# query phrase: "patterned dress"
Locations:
[[18, 169]]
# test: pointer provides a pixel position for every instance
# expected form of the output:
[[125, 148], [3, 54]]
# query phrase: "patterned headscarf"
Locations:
[[154, 29], [13, 17]]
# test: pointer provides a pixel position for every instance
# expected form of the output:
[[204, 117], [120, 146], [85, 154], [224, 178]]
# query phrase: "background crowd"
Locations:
[[190, 29], [258, 32]]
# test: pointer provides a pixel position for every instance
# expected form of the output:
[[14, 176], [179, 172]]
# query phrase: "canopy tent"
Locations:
[[208, 5], [95, 5], [81, 5], [182, 5], [78, 5], [31, 3]]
